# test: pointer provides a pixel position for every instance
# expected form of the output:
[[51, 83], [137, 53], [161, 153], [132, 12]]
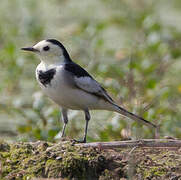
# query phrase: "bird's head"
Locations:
[[50, 51]]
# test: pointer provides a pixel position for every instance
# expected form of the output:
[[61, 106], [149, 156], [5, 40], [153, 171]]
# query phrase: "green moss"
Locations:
[[159, 164], [154, 172], [20, 157], [76, 162], [64, 160], [4, 147], [48, 160], [107, 175]]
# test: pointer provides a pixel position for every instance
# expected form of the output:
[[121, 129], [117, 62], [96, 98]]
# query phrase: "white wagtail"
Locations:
[[70, 86]]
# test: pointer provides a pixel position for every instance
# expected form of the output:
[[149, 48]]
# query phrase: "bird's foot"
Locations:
[[79, 141], [59, 136], [63, 139]]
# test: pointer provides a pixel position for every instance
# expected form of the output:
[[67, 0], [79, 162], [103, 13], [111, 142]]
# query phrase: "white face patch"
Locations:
[[40, 45], [48, 52]]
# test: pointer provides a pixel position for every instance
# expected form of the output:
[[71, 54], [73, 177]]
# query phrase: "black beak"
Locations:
[[29, 49]]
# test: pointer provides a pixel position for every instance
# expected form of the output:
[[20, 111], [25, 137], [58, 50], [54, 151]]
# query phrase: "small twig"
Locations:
[[132, 150]]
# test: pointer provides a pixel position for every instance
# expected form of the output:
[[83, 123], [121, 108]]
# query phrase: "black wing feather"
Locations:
[[79, 72], [76, 70]]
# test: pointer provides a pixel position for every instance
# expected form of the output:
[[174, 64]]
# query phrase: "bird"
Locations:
[[72, 87]]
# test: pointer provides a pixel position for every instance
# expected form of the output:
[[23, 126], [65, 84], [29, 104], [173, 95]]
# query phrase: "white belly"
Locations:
[[70, 98]]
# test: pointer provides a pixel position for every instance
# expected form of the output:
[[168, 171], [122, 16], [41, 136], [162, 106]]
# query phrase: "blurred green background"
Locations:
[[132, 47]]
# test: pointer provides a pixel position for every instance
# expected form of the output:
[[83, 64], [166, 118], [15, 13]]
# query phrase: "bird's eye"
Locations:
[[46, 48]]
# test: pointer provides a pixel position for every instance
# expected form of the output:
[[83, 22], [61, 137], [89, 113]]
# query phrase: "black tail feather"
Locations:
[[135, 117]]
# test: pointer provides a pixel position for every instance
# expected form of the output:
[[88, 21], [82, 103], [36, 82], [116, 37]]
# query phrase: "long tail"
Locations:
[[132, 116]]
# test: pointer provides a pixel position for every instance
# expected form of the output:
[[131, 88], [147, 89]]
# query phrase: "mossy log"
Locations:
[[90, 161]]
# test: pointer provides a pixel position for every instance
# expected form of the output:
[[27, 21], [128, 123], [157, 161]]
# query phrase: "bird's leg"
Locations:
[[87, 118], [65, 121]]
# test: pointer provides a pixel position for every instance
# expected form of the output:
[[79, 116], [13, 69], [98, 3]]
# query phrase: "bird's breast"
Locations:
[[55, 84], [45, 77]]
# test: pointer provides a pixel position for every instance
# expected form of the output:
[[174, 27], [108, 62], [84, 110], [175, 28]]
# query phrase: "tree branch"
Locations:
[[159, 143]]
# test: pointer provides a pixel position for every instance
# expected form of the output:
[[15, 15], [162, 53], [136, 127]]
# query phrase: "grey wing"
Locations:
[[88, 84]]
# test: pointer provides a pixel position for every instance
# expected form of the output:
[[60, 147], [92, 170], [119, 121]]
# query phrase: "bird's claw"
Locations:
[[79, 141]]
